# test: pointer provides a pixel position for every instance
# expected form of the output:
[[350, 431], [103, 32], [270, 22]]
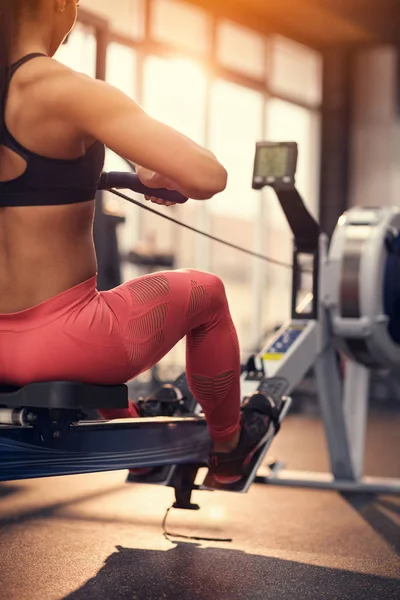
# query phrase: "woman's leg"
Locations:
[[155, 311]]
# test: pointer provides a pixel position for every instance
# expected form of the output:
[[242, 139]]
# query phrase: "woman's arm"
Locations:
[[103, 112]]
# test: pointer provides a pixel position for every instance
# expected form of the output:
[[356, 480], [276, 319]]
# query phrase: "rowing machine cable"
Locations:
[[208, 235]]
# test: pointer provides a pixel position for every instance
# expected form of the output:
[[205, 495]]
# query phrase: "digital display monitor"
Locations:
[[275, 163], [272, 161]]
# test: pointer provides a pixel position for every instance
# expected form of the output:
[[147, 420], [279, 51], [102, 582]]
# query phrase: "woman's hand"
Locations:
[[155, 180]]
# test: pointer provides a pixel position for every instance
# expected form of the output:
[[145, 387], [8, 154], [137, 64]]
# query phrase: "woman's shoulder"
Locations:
[[48, 83], [44, 70]]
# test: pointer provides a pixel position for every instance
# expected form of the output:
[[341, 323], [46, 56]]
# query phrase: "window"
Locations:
[[175, 92], [79, 53], [236, 117], [287, 122], [121, 68], [296, 71], [277, 292], [241, 49], [121, 73], [235, 269], [181, 25], [125, 16], [235, 127]]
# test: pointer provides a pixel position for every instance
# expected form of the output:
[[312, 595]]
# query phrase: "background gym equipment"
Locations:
[[355, 309]]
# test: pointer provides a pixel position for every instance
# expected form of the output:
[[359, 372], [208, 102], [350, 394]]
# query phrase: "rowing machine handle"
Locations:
[[131, 181]]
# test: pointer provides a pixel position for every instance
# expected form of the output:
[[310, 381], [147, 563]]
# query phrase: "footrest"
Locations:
[[244, 484], [64, 395]]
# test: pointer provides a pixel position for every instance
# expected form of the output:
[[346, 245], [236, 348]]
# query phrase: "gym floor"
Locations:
[[94, 537]]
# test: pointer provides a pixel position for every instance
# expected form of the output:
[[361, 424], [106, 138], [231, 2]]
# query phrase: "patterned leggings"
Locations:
[[111, 337]]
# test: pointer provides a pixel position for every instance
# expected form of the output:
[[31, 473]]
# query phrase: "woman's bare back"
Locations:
[[44, 250]]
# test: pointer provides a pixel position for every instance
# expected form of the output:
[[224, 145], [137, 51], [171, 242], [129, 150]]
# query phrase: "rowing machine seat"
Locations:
[[64, 395]]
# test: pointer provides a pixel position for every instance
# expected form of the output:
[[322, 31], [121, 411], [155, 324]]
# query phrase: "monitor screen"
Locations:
[[275, 164], [272, 161]]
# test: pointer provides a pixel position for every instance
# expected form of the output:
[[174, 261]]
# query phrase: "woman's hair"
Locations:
[[10, 11]]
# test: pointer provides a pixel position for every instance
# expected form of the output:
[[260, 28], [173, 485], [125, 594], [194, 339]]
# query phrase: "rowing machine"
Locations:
[[355, 310]]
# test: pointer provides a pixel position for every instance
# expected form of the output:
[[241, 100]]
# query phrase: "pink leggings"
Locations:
[[111, 337]]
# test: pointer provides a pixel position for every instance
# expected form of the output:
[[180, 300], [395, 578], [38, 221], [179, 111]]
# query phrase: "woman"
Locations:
[[54, 324]]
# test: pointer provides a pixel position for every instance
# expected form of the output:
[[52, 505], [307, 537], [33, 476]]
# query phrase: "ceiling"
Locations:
[[318, 23]]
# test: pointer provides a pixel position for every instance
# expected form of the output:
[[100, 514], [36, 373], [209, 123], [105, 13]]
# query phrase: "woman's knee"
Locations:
[[204, 278], [213, 286], [218, 286]]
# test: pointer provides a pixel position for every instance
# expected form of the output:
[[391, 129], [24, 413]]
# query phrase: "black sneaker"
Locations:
[[258, 412]]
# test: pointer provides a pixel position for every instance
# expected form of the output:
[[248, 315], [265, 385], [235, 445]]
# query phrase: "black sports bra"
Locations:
[[49, 181]]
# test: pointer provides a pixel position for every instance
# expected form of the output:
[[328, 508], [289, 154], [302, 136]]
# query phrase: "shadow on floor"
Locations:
[[376, 511], [190, 572]]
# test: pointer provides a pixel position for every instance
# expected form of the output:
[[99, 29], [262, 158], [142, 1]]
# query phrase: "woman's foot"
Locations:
[[230, 463]]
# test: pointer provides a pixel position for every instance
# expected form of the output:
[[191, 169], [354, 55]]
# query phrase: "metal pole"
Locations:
[[355, 408]]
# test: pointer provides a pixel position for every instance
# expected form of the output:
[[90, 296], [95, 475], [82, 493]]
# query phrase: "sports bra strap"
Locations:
[[15, 66]]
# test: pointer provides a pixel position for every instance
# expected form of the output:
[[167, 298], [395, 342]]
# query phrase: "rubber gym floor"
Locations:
[[94, 537]]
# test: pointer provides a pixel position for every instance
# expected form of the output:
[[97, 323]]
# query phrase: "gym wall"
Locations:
[[376, 131]]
